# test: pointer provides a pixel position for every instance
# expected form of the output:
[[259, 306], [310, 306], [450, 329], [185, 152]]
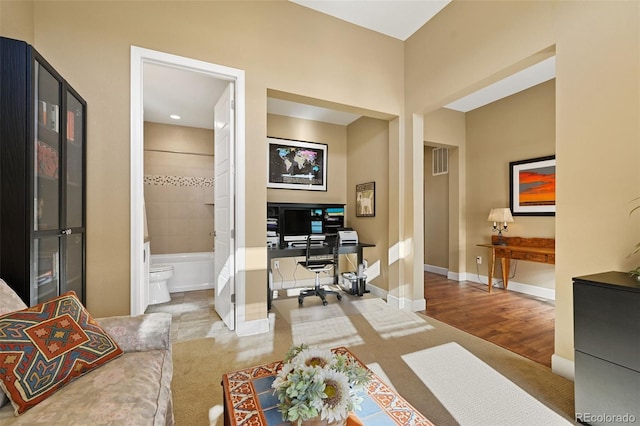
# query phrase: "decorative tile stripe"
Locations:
[[178, 181]]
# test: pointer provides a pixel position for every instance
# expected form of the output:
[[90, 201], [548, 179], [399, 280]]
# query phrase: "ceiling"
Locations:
[[395, 18], [192, 95]]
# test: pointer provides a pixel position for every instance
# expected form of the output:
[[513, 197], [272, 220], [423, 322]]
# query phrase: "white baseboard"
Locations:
[[377, 291], [563, 367], [456, 276], [192, 287], [249, 328], [532, 290], [436, 270], [406, 303]]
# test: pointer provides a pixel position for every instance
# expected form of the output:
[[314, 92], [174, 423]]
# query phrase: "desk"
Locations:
[[278, 252], [532, 249], [249, 400]]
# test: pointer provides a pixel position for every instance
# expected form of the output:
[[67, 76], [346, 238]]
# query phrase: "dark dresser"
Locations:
[[606, 313]]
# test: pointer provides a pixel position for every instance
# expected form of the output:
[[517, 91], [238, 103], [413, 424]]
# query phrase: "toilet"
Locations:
[[158, 275]]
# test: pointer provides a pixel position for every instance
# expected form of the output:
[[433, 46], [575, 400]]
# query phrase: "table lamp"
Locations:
[[500, 217]]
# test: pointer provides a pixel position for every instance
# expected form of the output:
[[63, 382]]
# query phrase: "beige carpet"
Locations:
[[377, 334]]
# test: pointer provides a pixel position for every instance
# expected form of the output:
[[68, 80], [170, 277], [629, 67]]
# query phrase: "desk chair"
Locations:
[[317, 260]]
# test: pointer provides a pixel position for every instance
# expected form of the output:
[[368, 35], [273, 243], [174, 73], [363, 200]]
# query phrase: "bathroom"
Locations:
[[178, 192]]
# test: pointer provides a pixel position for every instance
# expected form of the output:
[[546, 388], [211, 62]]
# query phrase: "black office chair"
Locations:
[[317, 260]]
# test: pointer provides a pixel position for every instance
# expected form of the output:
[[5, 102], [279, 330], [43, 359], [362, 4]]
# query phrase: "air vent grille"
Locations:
[[440, 161]]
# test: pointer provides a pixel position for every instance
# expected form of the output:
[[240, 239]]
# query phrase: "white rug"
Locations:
[[473, 392]]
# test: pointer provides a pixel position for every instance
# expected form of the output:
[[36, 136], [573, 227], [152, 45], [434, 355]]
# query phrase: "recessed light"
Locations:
[[175, 116]]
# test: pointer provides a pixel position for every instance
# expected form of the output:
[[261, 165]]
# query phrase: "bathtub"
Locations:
[[191, 271]]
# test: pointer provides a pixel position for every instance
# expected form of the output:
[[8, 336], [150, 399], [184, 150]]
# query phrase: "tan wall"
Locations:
[[470, 44], [178, 188], [368, 161], [436, 214], [445, 127], [16, 20], [280, 45], [519, 127]]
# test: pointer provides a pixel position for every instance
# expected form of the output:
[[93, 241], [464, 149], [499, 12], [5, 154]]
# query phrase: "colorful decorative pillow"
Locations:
[[44, 347]]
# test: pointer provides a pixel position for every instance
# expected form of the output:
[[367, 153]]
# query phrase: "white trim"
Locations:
[[563, 367], [456, 276], [137, 303], [139, 56], [192, 287], [377, 291], [249, 328], [532, 290], [406, 303], [436, 270]]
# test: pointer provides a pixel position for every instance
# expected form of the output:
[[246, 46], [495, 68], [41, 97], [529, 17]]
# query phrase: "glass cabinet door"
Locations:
[[46, 265], [74, 252], [46, 187], [74, 155]]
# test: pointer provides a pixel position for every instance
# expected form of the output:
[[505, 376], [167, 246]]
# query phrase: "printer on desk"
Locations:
[[348, 236]]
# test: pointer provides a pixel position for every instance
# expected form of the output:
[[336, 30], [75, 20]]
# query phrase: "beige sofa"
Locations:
[[133, 389]]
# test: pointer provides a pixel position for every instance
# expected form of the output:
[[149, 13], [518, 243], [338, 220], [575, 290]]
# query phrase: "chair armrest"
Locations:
[[139, 333]]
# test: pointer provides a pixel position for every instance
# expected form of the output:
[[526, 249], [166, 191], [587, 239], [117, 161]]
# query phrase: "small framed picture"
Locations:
[[366, 199], [532, 185]]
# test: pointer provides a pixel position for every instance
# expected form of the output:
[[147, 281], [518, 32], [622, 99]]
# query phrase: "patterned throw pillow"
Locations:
[[44, 347]]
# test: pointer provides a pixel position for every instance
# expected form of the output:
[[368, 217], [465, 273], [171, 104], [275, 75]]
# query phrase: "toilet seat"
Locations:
[[160, 267]]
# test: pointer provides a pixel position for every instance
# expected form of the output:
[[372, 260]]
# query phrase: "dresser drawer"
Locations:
[[604, 388], [536, 257], [607, 323]]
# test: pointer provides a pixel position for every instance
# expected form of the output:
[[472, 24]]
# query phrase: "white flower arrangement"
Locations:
[[319, 383]]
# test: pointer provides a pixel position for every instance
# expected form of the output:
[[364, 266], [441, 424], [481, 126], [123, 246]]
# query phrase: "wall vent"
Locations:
[[440, 161]]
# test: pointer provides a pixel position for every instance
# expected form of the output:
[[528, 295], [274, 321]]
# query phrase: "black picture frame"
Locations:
[[532, 187], [297, 165]]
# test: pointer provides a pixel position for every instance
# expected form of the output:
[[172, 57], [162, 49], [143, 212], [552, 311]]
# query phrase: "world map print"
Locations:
[[295, 163]]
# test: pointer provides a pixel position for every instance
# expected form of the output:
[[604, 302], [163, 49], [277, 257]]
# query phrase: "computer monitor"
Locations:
[[296, 222]]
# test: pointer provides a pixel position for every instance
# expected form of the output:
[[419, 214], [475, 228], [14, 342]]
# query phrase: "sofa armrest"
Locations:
[[139, 333]]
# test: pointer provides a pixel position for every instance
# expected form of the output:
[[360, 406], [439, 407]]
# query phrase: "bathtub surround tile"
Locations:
[[188, 181]]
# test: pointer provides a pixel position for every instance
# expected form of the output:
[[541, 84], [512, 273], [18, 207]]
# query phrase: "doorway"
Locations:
[[140, 57]]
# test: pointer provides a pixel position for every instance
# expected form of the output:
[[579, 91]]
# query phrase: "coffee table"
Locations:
[[249, 400]]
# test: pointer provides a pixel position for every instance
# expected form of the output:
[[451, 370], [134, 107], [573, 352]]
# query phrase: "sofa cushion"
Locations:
[[134, 389], [9, 300], [44, 347]]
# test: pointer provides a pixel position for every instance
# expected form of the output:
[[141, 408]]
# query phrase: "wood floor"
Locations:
[[520, 323]]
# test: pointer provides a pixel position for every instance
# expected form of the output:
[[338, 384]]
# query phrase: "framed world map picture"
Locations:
[[297, 165]]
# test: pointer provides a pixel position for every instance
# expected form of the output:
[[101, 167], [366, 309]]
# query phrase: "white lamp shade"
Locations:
[[500, 215]]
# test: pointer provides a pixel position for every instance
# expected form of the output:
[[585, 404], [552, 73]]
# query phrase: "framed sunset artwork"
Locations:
[[532, 187]]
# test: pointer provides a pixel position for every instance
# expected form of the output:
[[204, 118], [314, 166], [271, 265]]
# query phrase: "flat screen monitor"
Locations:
[[297, 222]]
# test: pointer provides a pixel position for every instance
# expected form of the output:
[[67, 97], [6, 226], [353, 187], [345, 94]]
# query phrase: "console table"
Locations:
[[249, 400], [532, 249]]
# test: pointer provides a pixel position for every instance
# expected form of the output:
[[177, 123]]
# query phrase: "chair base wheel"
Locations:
[[325, 303], [339, 297], [299, 301]]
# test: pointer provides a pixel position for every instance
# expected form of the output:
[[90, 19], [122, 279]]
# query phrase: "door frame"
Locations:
[[140, 56]]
